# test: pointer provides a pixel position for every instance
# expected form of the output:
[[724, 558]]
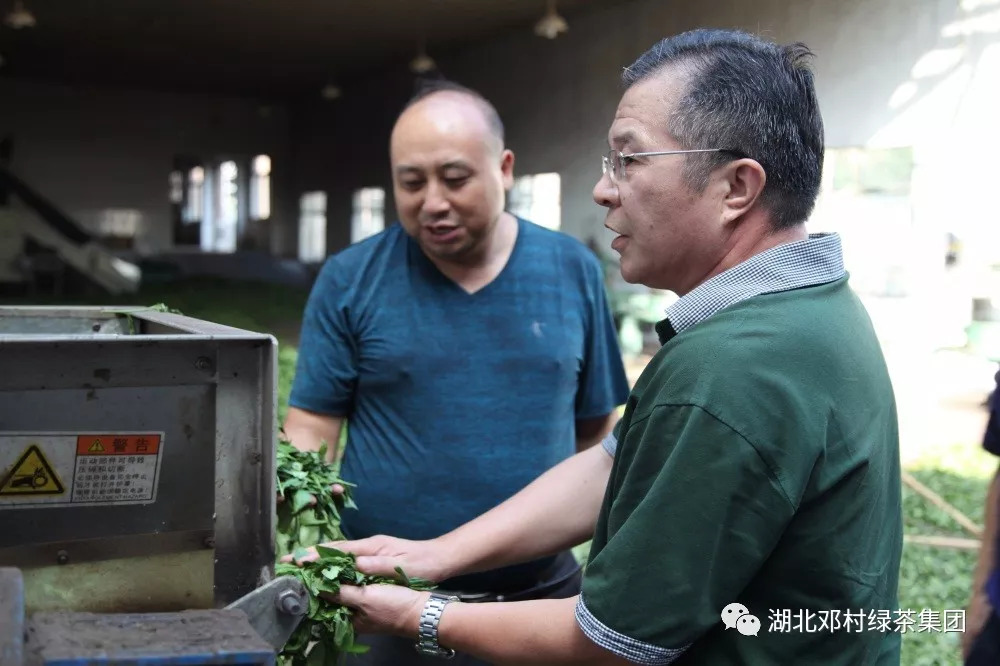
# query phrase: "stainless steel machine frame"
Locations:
[[208, 538]]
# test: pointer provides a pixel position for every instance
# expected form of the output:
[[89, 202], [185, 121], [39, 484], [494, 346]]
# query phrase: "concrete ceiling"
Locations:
[[256, 47]]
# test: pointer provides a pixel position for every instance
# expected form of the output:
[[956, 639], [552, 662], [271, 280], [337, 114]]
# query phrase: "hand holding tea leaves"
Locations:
[[308, 514], [308, 509], [327, 629]]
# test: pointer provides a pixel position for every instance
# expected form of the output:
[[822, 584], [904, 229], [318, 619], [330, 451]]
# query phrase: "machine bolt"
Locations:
[[289, 602], [62, 557], [203, 363]]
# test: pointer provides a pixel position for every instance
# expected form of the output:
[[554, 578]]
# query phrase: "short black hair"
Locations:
[[425, 87], [750, 97]]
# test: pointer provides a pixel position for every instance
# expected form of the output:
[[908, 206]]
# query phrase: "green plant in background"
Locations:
[[287, 357], [937, 578]]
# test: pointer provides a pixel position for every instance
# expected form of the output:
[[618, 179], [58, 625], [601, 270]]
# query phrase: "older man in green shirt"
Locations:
[[746, 508]]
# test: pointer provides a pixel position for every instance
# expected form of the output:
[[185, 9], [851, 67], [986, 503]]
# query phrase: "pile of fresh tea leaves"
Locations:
[[309, 514]]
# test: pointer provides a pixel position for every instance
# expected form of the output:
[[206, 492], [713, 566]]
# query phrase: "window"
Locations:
[[176, 187], [119, 223], [260, 188], [194, 208], [312, 227], [369, 213], [227, 220], [537, 198]]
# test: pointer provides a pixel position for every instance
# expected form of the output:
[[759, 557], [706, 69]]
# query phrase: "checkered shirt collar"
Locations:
[[816, 260]]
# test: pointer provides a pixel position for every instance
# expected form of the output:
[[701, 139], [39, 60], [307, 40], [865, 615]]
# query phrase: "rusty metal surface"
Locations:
[[11, 617], [152, 583], [96, 548], [207, 637]]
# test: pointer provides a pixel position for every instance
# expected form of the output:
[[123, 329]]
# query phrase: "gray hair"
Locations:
[[752, 98]]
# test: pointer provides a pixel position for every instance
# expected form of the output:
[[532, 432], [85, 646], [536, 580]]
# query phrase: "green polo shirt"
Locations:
[[757, 463]]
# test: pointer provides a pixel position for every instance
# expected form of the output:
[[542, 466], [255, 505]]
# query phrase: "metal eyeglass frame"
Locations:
[[613, 162]]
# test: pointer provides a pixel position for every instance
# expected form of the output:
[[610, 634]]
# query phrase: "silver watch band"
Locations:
[[427, 632]]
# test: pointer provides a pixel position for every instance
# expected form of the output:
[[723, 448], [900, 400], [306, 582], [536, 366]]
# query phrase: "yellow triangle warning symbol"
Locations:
[[96, 447], [32, 475]]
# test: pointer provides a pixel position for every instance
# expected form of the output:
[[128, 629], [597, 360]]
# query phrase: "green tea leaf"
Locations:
[[300, 500]]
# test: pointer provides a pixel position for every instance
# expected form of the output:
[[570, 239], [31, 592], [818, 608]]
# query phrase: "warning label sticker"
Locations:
[[31, 475], [50, 469]]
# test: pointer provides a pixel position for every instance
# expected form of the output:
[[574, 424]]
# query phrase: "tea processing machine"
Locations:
[[137, 491]]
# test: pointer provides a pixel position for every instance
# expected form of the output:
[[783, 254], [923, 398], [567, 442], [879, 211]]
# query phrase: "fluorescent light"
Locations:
[[551, 25], [19, 17], [330, 91], [422, 63]]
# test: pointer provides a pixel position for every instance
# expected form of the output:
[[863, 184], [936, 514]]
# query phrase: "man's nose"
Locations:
[[606, 192], [436, 202]]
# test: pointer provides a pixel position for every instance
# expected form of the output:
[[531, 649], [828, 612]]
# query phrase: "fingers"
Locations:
[[337, 489], [291, 559], [349, 595], [303, 555], [281, 499], [361, 548], [366, 552], [378, 565]]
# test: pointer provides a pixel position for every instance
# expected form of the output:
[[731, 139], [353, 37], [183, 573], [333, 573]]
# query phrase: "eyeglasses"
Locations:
[[615, 161]]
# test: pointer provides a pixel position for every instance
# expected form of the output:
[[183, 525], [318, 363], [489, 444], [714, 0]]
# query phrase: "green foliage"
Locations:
[[287, 357], [941, 578], [310, 512]]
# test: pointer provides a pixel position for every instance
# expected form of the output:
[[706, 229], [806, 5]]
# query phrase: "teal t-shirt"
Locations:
[[757, 464], [456, 401]]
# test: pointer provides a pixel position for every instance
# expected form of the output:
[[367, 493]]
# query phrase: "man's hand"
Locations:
[[380, 555], [336, 489], [977, 615], [384, 609]]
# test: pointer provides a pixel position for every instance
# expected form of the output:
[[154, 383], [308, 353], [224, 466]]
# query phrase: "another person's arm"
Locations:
[[556, 511], [542, 632], [307, 431], [979, 610], [326, 373]]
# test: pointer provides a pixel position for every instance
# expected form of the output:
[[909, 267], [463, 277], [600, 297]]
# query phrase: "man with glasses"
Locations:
[[746, 508], [469, 350]]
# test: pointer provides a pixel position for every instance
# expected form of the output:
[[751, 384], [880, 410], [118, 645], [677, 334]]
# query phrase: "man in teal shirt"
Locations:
[[746, 509]]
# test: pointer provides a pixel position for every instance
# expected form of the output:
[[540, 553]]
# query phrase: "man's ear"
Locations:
[[745, 180], [507, 168]]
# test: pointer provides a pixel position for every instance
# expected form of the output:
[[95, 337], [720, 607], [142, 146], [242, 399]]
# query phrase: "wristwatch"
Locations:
[[427, 632]]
